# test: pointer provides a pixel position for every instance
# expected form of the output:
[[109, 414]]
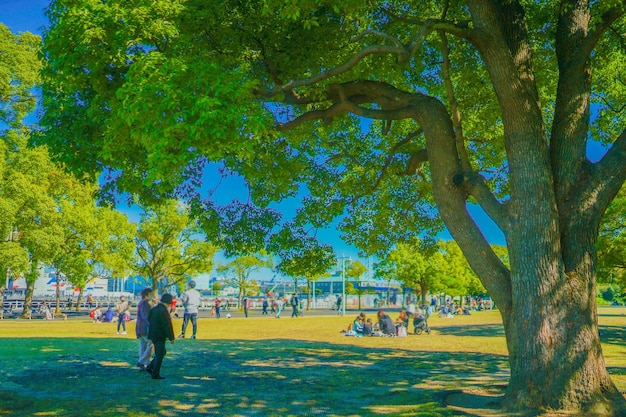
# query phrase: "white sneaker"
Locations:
[[123, 332], [118, 333]]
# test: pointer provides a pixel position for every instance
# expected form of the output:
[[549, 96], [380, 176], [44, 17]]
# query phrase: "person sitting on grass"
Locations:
[[403, 319], [402, 324], [96, 314], [108, 315], [385, 324], [368, 328]]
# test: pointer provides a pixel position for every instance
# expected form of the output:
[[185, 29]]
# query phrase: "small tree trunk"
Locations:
[[31, 278], [80, 298], [308, 294], [28, 300], [423, 290]]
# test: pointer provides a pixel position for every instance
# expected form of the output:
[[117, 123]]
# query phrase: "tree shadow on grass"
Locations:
[[95, 377], [491, 330], [612, 334]]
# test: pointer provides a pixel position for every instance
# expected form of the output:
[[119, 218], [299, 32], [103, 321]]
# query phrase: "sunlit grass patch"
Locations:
[[262, 367]]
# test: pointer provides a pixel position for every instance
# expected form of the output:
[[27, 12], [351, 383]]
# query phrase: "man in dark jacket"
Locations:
[[160, 330]]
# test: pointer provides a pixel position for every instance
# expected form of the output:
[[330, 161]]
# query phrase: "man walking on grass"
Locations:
[[141, 329], [160, 330], [191, 302]]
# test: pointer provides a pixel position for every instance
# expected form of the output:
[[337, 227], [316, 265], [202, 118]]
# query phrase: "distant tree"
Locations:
[[456, 276], [170, 246], [99, 241], [417, 265], [302, 256], [28, 228], [30, 223], [19, 73], [238, 272], [216, 287], [354, 271]]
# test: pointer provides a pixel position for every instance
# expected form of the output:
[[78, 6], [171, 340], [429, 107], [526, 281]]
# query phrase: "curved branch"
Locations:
[[477, 187], [460, 29], [606, 20], [608, 175], [358, 57], [416, 159], [345, 106]]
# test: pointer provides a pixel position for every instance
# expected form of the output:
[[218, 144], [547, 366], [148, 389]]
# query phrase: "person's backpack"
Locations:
[[294, 301]]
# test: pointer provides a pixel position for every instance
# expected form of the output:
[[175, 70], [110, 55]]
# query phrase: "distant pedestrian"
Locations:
[[160, 330], [279, 307], [217, 308], [410, 309], [90, 301], [264, 305], [191, 301], [339, 302], [294, 305], [141, 329], [121, 308], [245, 306]]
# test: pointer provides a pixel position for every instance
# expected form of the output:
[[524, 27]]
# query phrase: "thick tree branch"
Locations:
[[477, 187], [606, 20], [392, 152], [442, 154], [324, 75], [397, 48], [607, 176]]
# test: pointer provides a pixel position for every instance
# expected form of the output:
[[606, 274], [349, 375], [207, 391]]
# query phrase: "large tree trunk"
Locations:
[[554, 346], [547, 300]]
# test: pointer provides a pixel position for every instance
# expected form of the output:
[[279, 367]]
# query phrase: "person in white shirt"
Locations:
[[191, 303], [410, 309]]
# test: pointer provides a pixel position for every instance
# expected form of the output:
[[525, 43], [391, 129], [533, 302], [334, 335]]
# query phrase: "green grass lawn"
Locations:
[[267, 367]]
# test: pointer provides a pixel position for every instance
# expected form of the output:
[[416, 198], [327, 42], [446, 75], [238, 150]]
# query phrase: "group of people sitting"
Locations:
[[99, 316], [451, 309], [385, 326]]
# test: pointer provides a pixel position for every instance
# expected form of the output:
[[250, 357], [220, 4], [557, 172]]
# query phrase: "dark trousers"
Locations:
[[121, 321], [194, 322], [159, 354]]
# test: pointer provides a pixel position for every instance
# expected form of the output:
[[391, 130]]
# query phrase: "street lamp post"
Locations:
[[343, 286]]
